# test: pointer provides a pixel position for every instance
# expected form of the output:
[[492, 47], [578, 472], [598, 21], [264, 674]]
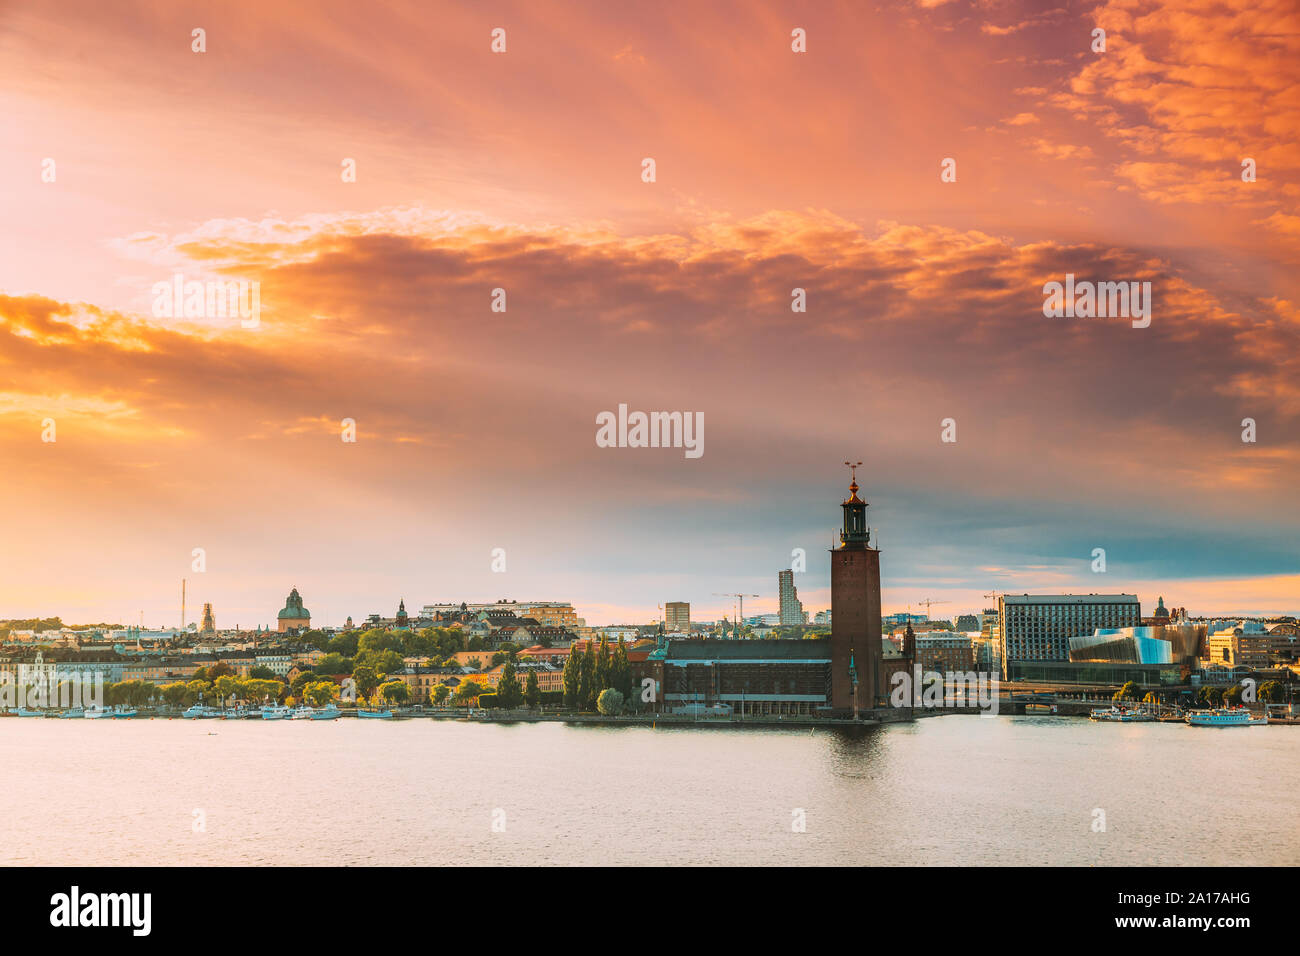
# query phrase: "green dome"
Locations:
[[293, 609]]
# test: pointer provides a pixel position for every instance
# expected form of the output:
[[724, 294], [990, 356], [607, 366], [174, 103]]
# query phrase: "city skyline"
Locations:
[[476, 429]]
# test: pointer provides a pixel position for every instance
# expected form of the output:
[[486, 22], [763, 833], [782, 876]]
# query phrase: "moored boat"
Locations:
[[201, 712], [376, 714], [25, 712], [328, 712], [275, 712], [72, 712], [1225, 717], [1113, 714]]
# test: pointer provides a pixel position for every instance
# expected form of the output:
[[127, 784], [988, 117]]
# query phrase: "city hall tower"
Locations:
[[855, 610]]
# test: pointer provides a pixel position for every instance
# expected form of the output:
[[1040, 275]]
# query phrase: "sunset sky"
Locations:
[[522, 170]]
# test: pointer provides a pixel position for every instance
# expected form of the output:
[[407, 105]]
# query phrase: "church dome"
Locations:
[[293, 609]]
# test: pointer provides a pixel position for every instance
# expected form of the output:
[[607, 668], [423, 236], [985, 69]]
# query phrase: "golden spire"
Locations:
[[853, 482]]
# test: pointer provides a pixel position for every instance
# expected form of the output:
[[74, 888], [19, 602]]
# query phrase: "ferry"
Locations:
[[379, 714], [1115, 714], [328, 712], [275, 712], [1225, 717]]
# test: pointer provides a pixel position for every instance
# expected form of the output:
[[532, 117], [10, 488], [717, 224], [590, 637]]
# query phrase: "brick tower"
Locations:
[[855, 610]]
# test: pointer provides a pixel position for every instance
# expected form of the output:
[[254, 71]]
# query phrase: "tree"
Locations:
[[320, 692], [572, 679], [610, 702], [381, 662], [621, 671], [376, 639], [261, 673], [509, 693], [225, 686], [587, 688], [532, 690], [174, 694], [1128, 692], [468, 692], [333, 664], [344, 644], [600, 672], [366, 680], [1232, 695], [440, 694]]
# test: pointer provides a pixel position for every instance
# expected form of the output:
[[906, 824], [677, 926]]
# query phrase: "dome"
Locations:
[[293, 609]]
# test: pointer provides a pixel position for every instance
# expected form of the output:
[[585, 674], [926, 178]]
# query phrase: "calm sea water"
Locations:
[[948, 790]]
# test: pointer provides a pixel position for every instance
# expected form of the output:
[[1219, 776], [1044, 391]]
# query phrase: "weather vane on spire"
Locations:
[[853, 466]]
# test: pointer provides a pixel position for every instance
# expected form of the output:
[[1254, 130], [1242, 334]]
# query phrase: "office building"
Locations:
[[1038, 627], [677, 617]]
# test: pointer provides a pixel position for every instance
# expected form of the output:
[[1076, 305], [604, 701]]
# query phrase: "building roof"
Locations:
[[784, 649], [1070, 598]]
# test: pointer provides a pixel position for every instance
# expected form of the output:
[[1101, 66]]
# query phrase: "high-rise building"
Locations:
[[1038, 627], [677, 617], [791, 607], [855, 611]]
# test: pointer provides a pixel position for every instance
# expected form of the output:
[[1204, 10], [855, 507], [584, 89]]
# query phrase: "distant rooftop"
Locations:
[[1070, 598]]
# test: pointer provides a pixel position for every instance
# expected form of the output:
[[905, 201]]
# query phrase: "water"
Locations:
[[946, 790]]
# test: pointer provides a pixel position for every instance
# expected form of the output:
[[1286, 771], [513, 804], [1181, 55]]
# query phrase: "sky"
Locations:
[[128, 157]]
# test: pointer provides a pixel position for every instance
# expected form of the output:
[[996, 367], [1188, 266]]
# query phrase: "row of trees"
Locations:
[[597, 669], [440, 642], [1270, 691]]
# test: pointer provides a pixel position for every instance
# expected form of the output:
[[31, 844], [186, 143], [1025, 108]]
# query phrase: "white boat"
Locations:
[[301, 713], [1113, 714], [201, 712], [328, 712], [275, 712], [1225, 717], [95, 713]]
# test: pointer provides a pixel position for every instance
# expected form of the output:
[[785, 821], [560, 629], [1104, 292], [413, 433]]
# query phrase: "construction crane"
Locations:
[[740, 615], [927, 602]]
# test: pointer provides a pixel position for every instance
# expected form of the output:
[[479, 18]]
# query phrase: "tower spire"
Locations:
[[855, 535]]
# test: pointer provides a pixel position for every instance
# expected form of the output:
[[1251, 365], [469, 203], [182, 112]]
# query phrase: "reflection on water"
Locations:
[[947, 790]]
